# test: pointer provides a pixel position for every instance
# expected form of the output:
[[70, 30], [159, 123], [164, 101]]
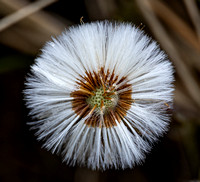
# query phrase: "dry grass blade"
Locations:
[[178, 25], [194, 14], [23, 12], [184, 73], [30, 34]]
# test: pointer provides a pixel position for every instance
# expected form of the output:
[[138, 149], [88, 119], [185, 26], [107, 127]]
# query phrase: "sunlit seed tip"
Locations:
[[92, 110], [167, 105], [108, 98], [102, 104], [111, 93], [87, 92], [112, 99], [103, 109], [104, 89], [81, 20]]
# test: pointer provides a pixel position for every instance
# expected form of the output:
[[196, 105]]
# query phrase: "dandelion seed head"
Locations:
[[99, 93], [101, 99]]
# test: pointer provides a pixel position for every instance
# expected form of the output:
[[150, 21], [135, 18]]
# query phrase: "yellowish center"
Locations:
[[101, 99]]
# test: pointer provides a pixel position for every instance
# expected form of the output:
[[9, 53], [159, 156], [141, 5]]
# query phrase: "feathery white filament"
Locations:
[[119, 48]]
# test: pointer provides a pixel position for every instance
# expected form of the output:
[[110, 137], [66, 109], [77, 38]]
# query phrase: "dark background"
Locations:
[[174, 158]]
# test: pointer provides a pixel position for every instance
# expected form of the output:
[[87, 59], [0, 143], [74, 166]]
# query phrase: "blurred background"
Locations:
[[25, 25]]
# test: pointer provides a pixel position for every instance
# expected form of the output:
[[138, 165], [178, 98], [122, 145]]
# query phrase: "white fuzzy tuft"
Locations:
[[88, 47]]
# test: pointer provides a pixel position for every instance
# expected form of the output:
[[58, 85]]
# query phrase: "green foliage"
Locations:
[[14, 62]]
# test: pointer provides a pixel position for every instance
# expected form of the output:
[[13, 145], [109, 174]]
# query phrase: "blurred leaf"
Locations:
[[128, 11], [14, 62]]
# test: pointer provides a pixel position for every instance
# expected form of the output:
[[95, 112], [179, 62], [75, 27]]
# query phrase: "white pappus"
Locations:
[[99, 95]]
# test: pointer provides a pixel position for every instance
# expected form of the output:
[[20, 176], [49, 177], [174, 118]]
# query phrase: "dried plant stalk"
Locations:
[[194, 14], [31, 33], [148, 9], [178, 25], [23, 13]]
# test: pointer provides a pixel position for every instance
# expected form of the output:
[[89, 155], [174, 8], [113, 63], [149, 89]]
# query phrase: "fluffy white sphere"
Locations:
[[99, 95]]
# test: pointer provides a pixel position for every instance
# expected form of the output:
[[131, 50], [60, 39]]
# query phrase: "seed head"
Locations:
[[99, 95]]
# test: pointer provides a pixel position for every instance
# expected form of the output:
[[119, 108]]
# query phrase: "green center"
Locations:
[[100, 96]]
